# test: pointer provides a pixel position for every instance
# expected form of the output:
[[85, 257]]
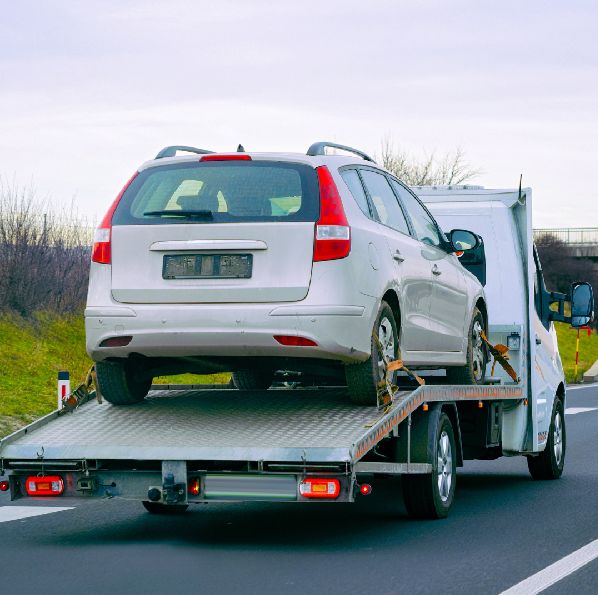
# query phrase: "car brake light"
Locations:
[[332, 234], [312, 487], [49, 485], [116, 341], [101, 251], [233, 157], [295, 341], [4, 486]]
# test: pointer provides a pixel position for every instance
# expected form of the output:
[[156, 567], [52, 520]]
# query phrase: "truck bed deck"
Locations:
[[278, 425]]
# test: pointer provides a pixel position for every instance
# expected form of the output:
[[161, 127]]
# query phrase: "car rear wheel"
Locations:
[[120, 383], [252, 379], [363, 378], [474, 370]]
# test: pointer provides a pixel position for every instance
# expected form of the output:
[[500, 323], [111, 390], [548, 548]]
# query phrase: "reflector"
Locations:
[[4, 486], [116, 341], [295, 341], [193, 487]]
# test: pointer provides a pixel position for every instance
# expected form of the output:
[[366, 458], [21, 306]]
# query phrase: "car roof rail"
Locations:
[[319, 148], [171, 151]]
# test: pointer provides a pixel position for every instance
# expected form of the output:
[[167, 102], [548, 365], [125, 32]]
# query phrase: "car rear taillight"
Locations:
[[294, 341], [312, 487], [232, 157], [332, 234], [49, 485], [4, 486], [101, 251]]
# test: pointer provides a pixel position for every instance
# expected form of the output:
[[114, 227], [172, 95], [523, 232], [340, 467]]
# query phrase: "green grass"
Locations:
[[588, 350], [31, 354]]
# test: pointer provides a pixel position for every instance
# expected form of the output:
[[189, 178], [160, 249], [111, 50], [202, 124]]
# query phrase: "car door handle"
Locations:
[[538, 340], [436, 270], [398, 256]]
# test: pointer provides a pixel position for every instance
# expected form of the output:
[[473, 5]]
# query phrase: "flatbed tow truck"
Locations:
[[184, 446]]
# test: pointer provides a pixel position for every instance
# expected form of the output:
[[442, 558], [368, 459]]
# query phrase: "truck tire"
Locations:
[[431, 496], [252, 379], [159, 508], [119, 383], [550, 462], [363, 378], [474, 370]]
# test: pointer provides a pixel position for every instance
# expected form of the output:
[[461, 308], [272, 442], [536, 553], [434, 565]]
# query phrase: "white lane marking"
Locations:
[[574, 410], [555, 572], [581, 386], [14, 513]]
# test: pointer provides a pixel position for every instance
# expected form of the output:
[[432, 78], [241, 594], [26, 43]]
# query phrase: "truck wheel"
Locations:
[[550, 462], [252, 379], [158, 508], [431, 496], [474, 370], [363, 378], [119, 383]]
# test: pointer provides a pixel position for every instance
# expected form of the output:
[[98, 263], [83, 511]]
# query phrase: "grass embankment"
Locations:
[[588, 350], [31, 354]]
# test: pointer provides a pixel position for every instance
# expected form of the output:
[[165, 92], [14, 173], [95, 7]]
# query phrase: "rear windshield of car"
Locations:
[[220, 192]]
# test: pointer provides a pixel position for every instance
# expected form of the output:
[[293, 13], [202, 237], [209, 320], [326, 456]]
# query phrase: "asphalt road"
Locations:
[[503, 528]]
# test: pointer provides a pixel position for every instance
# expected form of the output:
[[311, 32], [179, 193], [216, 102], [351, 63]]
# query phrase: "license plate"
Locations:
[[207, 266]]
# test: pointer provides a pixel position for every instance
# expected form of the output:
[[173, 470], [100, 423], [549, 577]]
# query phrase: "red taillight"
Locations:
[[332, 233], [4, 486], [194, 486], [101, 251], [312, 487], [365, 489], [49, 485], [295, 341], [116, 341], [232, 157]]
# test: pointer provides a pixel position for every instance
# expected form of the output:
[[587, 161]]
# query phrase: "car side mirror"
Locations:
[[462, 240], [582, 304]]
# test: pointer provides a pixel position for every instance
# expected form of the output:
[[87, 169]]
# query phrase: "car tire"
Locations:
[[474, 371], [159, 508], [119, 384], [363, 378], [252, 379], [549, 464], [430, 496]]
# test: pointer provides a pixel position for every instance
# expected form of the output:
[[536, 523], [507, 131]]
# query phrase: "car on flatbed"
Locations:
[[256, 263]]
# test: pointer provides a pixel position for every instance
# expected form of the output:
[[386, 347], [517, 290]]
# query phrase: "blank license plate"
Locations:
[[207, 266]]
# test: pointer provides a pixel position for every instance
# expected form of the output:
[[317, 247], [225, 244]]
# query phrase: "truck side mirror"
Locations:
[[582, 304], [462, 240]]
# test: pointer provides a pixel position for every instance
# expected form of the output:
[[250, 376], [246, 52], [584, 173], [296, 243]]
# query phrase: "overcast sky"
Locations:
[[89, 90]]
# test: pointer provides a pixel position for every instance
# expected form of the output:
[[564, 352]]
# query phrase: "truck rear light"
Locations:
[[233, 157], [4, 486], [332, 239], [116, 341], [316, 487], [294, 341], [101, 251], [49, 485], [194, 486]]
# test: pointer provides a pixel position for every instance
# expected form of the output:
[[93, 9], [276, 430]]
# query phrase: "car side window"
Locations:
[[384, 200], [352, 180], [424, 225]]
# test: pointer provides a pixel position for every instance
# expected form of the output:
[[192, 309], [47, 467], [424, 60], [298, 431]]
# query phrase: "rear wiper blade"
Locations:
[[185, 214]]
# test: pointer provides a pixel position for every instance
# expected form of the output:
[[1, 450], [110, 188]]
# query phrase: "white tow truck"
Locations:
[[196, 445]]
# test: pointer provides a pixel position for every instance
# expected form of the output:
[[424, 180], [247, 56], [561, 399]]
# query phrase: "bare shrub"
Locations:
[[448, 169], [44, 254]]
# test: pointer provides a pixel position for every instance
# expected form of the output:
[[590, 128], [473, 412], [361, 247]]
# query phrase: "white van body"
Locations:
[[503, 219]]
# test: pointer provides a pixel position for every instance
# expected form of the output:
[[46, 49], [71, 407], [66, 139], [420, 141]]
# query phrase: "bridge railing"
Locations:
[[570, 235]]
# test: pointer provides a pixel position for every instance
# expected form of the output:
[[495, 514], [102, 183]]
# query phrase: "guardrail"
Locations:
[[570, 235]]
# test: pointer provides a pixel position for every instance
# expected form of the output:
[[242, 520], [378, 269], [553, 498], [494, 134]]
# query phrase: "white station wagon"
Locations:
[[258, 263]]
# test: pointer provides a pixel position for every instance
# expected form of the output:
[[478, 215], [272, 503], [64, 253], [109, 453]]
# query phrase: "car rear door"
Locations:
[[219, 231], [449, 315], [413, 277]]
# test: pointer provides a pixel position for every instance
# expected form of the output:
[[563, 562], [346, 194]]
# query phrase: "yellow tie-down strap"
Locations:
[[500, 353]]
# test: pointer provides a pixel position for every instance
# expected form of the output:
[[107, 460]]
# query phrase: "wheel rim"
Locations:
[[477, 350], [557, 438], [445, 466], [386, 348]]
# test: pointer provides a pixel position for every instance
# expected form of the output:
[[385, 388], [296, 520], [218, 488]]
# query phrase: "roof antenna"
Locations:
[[519, 195], [240, 148]]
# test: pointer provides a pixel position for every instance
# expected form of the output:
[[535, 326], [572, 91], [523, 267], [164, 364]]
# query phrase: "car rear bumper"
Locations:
[[341, 332]]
